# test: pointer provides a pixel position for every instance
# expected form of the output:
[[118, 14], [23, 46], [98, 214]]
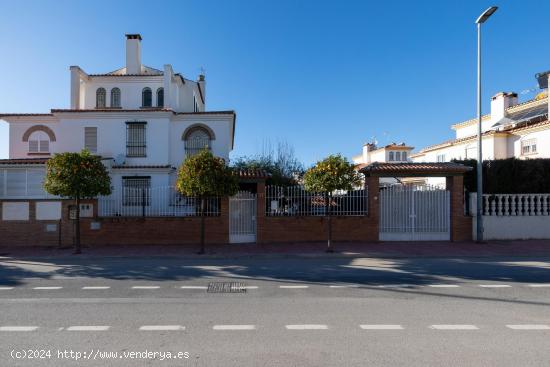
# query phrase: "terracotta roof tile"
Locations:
[[415, 168], [23, 161], [253, 173]]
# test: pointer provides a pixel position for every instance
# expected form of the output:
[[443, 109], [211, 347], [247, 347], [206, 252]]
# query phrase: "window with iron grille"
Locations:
[[90, 139], [136, 139], [146, 97], [115, 97], [136, 191], [100, 96], [196, 141], [528, 146]]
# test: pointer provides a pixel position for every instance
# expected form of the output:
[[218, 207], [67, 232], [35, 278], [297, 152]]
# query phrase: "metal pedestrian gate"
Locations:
[[242, 217], [414, 213]]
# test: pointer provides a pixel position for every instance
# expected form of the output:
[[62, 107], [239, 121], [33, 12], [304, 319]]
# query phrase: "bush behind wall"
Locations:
[[510, 176]]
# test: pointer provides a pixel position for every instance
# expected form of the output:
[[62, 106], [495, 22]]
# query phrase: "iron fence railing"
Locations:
[[162, 201], [296, 201]]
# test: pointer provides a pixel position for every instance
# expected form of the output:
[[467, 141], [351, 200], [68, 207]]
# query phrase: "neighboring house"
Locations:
[[391, 153], [512, 129], [142, 121]]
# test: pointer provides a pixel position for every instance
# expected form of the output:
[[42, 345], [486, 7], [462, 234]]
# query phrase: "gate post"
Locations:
[[260, 211], [372, 185], [461, 225]]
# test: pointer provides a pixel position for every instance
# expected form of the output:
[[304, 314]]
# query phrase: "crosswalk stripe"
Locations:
[[381, 327], [18, 328], [454, 327], [234, 327], [162, 328], [88, 328], [307, 327], [528, 327]]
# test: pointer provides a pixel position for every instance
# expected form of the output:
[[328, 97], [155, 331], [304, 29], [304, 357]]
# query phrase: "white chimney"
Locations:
[[133, 54], [202, 84], [499, 103]]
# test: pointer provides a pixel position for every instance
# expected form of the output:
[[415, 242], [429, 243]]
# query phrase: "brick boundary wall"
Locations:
[[113, 230]]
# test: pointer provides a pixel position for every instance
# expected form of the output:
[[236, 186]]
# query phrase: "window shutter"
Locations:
[[33, 146], [90, 139], [44, 146]]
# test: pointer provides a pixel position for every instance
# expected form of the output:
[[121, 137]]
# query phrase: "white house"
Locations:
[[142, 121], [391, 153], [511, 129]]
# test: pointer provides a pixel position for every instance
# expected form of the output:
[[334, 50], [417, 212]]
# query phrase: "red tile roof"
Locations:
[[253, 173], [414, 169], [141, 166], [23, 161]]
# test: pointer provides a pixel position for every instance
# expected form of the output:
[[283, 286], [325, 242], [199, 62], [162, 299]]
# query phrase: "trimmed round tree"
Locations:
[[204, 176], [77, 176], [332, 173]]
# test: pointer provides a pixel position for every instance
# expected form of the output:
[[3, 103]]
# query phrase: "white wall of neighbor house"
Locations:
[[130, 90]]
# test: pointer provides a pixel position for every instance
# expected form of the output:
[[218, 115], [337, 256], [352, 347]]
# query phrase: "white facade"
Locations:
[[142, 122], [391, 153], [511, 130]]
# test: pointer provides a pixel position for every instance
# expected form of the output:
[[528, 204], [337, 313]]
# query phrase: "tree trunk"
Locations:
[[202, 250], [78, 248], [329, 223]]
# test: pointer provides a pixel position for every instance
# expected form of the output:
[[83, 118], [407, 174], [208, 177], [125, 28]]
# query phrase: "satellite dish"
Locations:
[[119, 160]]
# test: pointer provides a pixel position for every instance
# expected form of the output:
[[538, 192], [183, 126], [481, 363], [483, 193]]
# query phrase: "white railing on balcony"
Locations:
[[296, 201], [162, 201], [516, 204]]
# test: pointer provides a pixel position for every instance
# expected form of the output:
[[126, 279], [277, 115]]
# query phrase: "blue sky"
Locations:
[[325, 76]]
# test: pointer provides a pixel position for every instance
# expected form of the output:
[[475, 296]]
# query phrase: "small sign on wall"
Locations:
[[48, 210], [51, 227], [95, 226], [15, 210]]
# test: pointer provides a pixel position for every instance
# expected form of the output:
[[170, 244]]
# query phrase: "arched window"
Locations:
[[160, 97], [115, 97], [196, 140], [146, 97], [100, 98], [39, 142]]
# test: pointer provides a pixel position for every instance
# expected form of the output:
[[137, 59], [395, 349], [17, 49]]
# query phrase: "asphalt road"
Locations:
[[286, 312]]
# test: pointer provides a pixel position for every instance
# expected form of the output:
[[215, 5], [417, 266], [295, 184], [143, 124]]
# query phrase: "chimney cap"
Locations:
[[133, 36]]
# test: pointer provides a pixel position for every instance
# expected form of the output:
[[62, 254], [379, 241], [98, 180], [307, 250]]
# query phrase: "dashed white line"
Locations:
[[88, 328], [194, 287], [344, 286], [146, 287], [307, 327], [5, 288], [529, 327], [161, 328], [293, 286], [395, 286], [95, 287], [540, 285], [234, 327], [381, 327], [47, 288], [18, 328], [454, 327], [443, 285], [495, 286], [250, 287]]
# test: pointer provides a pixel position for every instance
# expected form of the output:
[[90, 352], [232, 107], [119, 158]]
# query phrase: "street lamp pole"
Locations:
[[479, 213]]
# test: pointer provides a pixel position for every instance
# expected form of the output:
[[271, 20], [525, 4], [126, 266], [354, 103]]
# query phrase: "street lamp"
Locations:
[[479, 219]]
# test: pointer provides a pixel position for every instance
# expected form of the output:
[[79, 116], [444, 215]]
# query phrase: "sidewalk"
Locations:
[[382, 249]]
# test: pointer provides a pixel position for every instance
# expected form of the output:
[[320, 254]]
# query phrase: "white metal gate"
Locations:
[[414, 213], [242, 217]]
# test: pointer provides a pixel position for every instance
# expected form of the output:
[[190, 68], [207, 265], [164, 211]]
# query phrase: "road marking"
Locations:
[[381, 327], [5, 288], [194, 287], [95, 287], [88, 328], [146, 287], [454, 327], [18, 328], [495, 286], [250, 287], [344, 286], [162, 328], [307, 327], [541, 285], [46, 288], [396, 286], [293, 286], [528, 327], [443, 285], [234, 327]]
